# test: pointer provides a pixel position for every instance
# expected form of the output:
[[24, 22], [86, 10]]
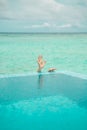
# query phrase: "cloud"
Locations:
[[65, 26], [3, 3], [48, 25], [73, 2], [3, 7], [51, 10], [57, 14], [5, 12], [44, 10], [42, 25], [40, 9], [27, 9]]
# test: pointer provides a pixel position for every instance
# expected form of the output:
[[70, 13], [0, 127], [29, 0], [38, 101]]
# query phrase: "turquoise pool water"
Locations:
[[55, 101]]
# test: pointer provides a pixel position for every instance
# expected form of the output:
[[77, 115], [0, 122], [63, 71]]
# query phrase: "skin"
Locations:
[[41, 63], [51, 69]]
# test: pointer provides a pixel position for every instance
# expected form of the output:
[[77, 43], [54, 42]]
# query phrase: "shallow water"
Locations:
[[19, 52]]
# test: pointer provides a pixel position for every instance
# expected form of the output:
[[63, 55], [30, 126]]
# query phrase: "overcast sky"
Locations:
[[43, 15]]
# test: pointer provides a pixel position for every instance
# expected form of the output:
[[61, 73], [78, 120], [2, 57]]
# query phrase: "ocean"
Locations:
[[66, 52]]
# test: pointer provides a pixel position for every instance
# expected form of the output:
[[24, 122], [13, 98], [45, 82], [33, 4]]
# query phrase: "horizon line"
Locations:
[[43, 32]]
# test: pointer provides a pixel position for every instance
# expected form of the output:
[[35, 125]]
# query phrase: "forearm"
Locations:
[[39, 69]]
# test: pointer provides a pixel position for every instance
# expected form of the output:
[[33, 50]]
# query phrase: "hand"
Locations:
[[41, 63]]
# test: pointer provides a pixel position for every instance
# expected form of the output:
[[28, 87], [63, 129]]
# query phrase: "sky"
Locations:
[[43, 16]]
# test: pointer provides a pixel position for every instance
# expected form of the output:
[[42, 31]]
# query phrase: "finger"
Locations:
[[40, 57]]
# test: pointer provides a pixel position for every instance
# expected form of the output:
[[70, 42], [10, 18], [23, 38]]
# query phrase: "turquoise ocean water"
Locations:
[[19, 52], [18, 55]]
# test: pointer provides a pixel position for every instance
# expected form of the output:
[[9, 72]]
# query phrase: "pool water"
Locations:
[[54, 101]]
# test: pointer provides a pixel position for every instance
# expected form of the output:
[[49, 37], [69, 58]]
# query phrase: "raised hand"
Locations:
[[41, 63]]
